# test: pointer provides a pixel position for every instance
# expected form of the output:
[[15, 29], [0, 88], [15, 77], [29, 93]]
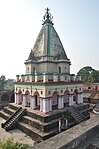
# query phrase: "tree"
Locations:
[[89, 75], [6, 84], [2, 82]]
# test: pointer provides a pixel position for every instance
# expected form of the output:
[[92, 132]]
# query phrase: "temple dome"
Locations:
[[48, 42]]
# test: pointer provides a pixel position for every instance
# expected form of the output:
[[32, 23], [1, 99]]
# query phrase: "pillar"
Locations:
[[72, 77], [68, 78], [50, 104], [32, 102], [81, 97], [45, 77], [31, 79], [55, 78], [71, 100], [36, 77], [62, 78], [28, 100], [22, 78], [59, 102], [62, 102], [41, 104], [45, 106], [78, 98], [24, 102], [20, 99], [16, 97], [17, 78]]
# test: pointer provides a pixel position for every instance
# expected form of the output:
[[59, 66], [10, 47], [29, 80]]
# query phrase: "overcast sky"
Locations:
[[76, 22]]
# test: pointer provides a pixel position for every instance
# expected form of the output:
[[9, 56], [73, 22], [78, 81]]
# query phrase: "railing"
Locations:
[[13, 120]]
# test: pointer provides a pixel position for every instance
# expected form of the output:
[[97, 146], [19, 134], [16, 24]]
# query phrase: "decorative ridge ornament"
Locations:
[[47, 18]]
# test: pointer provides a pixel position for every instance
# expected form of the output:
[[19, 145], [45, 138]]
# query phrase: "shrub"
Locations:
[[10, 144]]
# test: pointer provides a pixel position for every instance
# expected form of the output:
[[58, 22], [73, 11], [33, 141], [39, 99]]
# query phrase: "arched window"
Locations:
[[27, 69], [59, 69], [33, 70]]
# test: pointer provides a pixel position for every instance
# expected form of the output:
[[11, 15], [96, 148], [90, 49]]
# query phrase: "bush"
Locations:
[[10, 144]]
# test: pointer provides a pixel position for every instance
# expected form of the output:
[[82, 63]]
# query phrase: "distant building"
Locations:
[[47, 83], [91, 93], [6, 97]]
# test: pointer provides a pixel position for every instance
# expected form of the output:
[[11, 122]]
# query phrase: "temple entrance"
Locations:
[[37, 100], [55, 100], [75, 96], [66, 98], [27, 96], [19, 101]]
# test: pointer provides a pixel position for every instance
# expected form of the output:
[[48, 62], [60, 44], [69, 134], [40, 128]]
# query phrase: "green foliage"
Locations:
[[6, 84], [2, 82], [10, 144], [89, 75]]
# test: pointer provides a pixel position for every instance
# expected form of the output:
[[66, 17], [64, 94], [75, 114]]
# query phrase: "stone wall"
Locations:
[[6, 97], [73, 137]]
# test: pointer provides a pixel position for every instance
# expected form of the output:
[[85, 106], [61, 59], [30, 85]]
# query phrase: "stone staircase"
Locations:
[[76, 114], [12, 121], [36, 126], [41, 126]]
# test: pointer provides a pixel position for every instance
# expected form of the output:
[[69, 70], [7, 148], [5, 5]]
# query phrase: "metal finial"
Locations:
[[47, 18]]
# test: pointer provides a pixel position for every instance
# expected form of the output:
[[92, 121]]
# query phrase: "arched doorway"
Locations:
[[27, 96], [66, 98], [37, 100], [19, 96], [5, 99], [55, 100], [75, 96], [12, 98], [59, 69], [33, 70]]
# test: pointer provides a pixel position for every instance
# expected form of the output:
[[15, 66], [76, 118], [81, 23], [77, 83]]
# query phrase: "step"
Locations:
[[78, 119], [34, 132], [39, 124], [13, 106], [4, 115], [75, 115], [8, 110]]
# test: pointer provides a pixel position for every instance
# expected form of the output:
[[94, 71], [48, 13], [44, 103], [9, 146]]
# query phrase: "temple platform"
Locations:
[[40, 126]]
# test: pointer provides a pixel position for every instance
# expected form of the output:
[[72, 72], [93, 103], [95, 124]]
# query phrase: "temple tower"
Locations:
[[47, 83]]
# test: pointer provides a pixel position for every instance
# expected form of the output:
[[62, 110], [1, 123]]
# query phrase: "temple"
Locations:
[[47, 84]]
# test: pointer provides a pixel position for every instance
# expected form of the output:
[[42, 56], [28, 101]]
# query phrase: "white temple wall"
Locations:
[[47, 68], [65, 67], [52, 67], [28, 68], [47, 91], [34, 68], [61, 89]]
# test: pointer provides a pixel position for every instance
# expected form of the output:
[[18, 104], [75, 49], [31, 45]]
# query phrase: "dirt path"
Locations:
[[16, 134]]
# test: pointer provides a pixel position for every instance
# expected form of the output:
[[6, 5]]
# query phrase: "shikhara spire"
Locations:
[[48, 42], [47, 18]]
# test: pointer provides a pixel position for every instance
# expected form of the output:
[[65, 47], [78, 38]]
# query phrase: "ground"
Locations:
[[16, 134]]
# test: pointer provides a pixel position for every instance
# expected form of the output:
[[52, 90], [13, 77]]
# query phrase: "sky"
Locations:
[[76, 22]]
